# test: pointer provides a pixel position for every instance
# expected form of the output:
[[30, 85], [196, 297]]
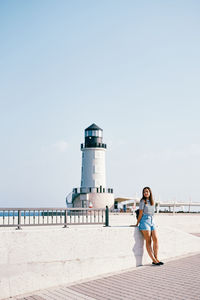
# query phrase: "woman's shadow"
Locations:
[[138, 248]]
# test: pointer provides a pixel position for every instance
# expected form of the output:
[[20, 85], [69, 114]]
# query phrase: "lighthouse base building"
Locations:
[[93, 199], [93, 192]]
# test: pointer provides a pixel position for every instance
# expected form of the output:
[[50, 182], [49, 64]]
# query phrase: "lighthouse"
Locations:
[[93, 173], [93, 191]]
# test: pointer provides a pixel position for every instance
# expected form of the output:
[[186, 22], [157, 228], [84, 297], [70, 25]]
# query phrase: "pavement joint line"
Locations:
[[112, 292], [104, 292], [46, 294], [93, 291], [59, 293], [106, 283], [71, 292]]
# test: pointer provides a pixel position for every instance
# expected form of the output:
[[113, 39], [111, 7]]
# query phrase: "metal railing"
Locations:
[[85, 190], [95, 145], [18, 217]]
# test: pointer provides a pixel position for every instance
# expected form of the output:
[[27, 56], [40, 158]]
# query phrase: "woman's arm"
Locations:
[[139, 217], [141, 208]]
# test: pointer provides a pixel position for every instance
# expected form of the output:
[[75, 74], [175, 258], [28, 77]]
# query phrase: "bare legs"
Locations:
[[155, 244], [149, 236]]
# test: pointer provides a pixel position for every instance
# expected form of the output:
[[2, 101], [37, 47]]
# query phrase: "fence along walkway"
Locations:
[[18, 217]]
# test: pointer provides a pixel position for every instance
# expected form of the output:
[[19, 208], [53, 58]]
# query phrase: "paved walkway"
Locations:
[[178, 279]]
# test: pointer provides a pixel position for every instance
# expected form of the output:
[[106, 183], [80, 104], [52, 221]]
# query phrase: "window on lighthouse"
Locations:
[[90, 133]]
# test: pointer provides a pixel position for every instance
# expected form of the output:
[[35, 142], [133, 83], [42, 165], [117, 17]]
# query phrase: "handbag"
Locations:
[[137, 211]]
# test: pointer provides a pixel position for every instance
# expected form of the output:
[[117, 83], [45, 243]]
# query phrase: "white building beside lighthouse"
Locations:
[[93, 191]]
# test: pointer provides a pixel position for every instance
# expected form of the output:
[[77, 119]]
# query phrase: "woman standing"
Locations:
[[147, 226]]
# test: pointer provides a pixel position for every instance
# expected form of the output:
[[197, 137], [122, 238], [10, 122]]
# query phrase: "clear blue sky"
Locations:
[[131, 67]]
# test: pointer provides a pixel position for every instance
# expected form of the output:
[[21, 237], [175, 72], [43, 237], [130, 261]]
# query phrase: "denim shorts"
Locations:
[[147, 223]]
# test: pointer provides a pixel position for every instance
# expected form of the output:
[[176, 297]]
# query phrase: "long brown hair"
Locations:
[[150, 197]]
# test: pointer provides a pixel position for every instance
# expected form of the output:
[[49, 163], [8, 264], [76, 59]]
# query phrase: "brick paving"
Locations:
[[178, 279]]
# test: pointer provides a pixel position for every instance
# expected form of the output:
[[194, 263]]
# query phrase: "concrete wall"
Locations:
[[98, 200], [101, 200], [33, 258]]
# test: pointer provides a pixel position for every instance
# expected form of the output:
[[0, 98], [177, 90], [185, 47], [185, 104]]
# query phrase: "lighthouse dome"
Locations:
[[93, 127], [94, 137], [94, 131]]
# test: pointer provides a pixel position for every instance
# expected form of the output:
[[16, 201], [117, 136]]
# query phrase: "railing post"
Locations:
[[107, 217], [174, 208], [19, 220], [157, 207], [65, 216]]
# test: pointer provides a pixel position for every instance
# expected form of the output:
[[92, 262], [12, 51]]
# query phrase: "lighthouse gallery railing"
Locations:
[[18, 217]]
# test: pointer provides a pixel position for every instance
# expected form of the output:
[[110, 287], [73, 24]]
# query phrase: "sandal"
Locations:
[[155, 264]]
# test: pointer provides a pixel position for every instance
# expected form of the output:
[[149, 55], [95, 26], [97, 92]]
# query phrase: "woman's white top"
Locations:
[[148, 209]]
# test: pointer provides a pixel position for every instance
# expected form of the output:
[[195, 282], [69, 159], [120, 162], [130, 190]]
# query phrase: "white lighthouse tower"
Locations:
[[93, 191], [93, 173]]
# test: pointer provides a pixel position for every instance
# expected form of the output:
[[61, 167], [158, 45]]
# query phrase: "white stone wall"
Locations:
[[93, 172], [98, 200], [38, 258], [101, 200]]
